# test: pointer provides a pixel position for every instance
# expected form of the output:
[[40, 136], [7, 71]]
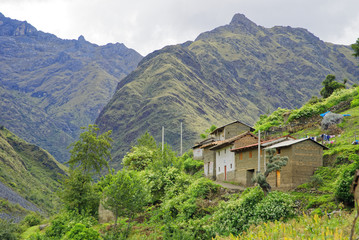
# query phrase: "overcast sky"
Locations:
[[147, 25]]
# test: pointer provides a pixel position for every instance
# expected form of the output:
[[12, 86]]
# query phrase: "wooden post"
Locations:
[[181, 139], [163, 138]]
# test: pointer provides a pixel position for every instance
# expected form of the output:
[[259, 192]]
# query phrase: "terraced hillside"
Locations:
[[234, 72]]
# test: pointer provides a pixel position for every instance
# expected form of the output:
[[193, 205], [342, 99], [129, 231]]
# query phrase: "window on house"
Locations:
[[231, 165], [225, 150], [219, 153], [250, 154], [278, 150], [219, 169], [231, 147], [240, 156]]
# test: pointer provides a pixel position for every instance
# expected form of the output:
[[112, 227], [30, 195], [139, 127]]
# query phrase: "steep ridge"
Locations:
[[50, 87], [234, 72], [29, 171]]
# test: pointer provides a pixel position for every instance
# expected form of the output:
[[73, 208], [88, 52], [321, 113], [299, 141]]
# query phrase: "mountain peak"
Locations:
[[81, 38], [10, 27], [241, 19]]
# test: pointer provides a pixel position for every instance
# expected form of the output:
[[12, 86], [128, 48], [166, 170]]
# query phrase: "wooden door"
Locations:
[[225, 173], [277, 178]]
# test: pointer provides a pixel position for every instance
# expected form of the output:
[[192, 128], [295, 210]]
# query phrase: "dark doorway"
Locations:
[[250, 175]]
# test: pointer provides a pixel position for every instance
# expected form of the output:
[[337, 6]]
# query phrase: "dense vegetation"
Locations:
[[160, 195]]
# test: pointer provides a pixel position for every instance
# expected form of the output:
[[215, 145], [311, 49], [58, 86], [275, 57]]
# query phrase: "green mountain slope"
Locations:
[[50, 87], [237, 71], [29, 170]]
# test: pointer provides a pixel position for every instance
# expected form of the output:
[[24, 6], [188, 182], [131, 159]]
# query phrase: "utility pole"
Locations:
[[181, 138], [259, 151], [163, 138]]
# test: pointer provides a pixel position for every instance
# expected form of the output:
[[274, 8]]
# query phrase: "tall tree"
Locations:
[[92, 151], [274, 163]]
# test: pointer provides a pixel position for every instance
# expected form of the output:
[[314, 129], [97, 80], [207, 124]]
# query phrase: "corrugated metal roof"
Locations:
[[264, 143], [290, 142]]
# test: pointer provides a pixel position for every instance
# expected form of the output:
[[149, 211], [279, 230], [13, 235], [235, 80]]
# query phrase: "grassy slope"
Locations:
[[237, 71], [29, 170]]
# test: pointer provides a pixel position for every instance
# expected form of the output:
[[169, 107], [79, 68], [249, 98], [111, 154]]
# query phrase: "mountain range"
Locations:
[[50, 87], [234, 72]]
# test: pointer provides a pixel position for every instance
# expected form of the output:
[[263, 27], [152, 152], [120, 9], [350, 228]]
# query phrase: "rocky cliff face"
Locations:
[[50, 87], [234, 72]]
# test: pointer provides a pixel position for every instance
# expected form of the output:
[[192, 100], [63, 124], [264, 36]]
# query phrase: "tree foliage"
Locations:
[[138, 158], [208, 131], [274, 163], [126, 194], [330, 85], [147, 140], [78, 193], [92, 151]]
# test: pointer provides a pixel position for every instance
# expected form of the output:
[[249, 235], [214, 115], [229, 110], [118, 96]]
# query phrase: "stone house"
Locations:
[[225, 158], [305, 156], [201, 150]]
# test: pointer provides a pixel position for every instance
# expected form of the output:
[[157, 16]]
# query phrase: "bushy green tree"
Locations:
[[330, 85], [92, 151], [274, 163], [126, 195], [138, 158], [147, 140], [78, 193]]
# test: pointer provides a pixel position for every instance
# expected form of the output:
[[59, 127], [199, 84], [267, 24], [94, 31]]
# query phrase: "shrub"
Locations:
[[202, 188], [354, 103], [81, 232], [7, 230], [316, 181], [342, 192], [192, 166], [237, 215], [63, 222], [32, 219], [275, 206]]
